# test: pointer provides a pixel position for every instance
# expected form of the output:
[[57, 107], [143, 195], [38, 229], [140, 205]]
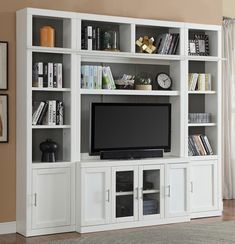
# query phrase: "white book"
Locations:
[[52, 112], [208, 82], [91, 77], [85, 76], [50, 75], [100, 72], [111, 78], [95, 77], [89, 37], [202, 82], [208, 144], [40, 82], [58, 75], [37, 113], [194, 82]]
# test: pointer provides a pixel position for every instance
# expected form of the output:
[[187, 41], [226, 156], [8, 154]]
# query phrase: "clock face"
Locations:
[[164, 81]]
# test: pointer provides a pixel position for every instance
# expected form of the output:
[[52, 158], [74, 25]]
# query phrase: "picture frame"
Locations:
[[202, 45], [193, 47], [3, 118], [3, 65]]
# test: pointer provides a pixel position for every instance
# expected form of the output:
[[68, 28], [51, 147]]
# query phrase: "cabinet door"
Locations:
[[177, 192], [96, 196], [52, 197], [203, 186], [151, 195], [125, 194]]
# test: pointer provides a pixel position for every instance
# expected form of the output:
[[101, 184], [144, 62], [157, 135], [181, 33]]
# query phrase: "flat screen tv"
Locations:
[[125, 126]]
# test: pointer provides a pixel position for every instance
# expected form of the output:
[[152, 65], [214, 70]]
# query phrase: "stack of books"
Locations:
[[198, 145], [199, 117], [97, 77], [47, 75], [150, 206], [49, 112], [91, 38], [167, 43], [199, 82]]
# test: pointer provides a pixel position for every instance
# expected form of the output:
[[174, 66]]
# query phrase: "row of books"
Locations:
[[199, 118], [48, 75], [199, 82], [49, 112], [198, 145], [97, 77], [167, 43], [91, 38]]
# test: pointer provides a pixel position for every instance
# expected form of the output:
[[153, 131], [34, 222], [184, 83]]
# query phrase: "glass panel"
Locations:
[[124, 206], [151, 179], [124, 181], [151, 204]]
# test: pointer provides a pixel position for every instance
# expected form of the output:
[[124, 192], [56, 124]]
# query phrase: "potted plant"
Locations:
[[143, 83]]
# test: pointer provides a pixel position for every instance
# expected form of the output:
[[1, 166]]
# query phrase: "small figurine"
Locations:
[[146, 45]]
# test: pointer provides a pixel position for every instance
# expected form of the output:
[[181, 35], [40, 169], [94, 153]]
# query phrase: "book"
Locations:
[[50, 75], [59, 113], [110, 75], [89, 37], [208, 82], [85, 76], [51, 112], [43, 114], [106, 83], [90, 78], [57, 75], [193, 79], [176, 44], [94, 45], [98, 38], [208, 145], [201, 82], [37, 113], [37, 79]]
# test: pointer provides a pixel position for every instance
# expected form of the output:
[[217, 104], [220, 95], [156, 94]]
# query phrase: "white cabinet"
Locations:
[[177, 192], [204, 190], [151, 185], [51, 193], [96, 196], [125, 194]]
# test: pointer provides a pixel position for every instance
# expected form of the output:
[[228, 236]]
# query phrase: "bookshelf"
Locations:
[[74, 168]]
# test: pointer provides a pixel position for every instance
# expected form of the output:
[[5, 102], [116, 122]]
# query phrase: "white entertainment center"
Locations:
[[79, 192]]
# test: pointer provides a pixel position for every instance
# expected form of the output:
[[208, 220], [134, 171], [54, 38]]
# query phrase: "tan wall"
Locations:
[[229, 8], [200, 11]]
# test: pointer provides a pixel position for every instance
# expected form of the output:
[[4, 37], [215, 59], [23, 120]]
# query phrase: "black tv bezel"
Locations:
[[95, 152]]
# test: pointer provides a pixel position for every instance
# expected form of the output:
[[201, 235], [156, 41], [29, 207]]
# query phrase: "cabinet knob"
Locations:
[[35, 199], [108, 195]]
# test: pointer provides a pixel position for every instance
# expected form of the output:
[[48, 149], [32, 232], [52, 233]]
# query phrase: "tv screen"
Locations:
[[120, 126]]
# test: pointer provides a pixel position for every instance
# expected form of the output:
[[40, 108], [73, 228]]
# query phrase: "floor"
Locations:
[[228, 214]]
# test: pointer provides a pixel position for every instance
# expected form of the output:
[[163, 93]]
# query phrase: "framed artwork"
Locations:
[[192, 47], [3, 65], [203, 45], [3, 118]]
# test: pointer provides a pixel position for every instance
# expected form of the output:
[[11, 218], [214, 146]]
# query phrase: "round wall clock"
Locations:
[[164, 81]]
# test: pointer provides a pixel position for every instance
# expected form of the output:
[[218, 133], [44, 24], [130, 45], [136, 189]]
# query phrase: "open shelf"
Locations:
[[201, 92], [46, 89], [201, 124], [128, 92], [51, 127], [62, 27]]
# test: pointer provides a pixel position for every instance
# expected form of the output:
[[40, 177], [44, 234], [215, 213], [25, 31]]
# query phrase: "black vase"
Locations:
[[49, 149]]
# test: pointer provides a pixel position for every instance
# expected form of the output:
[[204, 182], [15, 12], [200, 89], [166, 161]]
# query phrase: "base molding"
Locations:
[[207, 214], [7, 227]]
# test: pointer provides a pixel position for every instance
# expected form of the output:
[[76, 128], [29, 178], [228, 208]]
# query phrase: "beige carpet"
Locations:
[[188, 233]]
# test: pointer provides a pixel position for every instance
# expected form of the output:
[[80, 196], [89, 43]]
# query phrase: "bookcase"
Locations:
[[78, 192]]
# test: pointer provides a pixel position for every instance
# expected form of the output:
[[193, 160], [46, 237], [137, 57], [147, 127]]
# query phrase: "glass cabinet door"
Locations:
[[125, 194], [151, 182]]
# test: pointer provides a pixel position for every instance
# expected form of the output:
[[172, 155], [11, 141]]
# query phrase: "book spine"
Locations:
[[177, 40], [98, 39], [37, 113], [45, 75], [110, 75], [52, 112], [172, 44], [194, 82], [89, 38], [100, 72], [94, 39], [43, 113], [90, 77], [106, 83], [50, 75], [196, 153], [59, 75], [95, 77], [55, 75], [205, 146], [208, 145], [201, 145], [59, 113]]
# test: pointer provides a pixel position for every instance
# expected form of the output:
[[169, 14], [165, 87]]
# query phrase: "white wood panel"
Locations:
[[204, 190], [177, 192], [51, 198], [96, 196]]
